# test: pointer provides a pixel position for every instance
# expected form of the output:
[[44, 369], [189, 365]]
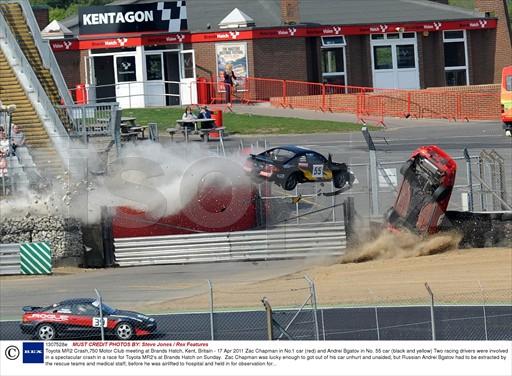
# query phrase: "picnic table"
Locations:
[[197, 126], [129, 126]]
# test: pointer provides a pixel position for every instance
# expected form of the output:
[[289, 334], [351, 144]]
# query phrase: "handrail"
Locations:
[[57, 133], [45, 50]]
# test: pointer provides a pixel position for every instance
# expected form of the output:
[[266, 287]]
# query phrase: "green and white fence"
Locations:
[[25, 258]]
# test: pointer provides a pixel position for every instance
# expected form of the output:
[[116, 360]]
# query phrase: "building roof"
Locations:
[[236, 18], [55, 29], [267, 13]]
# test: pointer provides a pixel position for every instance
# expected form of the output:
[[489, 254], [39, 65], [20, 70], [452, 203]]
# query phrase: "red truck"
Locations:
[[506, 100]]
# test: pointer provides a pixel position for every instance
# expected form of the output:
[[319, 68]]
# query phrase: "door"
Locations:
[[103, 78], [172, 78], [154, 87], [395, 61], [188, 87], [129, 92]]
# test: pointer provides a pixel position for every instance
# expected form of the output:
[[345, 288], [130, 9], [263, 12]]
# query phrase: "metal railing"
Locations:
[[35, 91], [9, 259], [279, 243], [369, 104], [45, 50]]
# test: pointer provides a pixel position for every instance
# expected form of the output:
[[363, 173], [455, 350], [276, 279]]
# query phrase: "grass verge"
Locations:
[[244, 123]]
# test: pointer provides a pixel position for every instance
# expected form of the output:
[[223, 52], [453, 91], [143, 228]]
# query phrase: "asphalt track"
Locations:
[[121, 287], [394, 323]]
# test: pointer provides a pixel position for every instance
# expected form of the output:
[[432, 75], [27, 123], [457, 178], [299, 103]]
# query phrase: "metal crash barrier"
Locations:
[[25, 258], [286, 242]]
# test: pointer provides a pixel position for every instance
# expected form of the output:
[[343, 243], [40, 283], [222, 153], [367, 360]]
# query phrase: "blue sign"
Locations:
[[33, 352]]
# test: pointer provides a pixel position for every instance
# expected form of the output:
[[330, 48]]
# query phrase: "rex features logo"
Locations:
[[33, 352]]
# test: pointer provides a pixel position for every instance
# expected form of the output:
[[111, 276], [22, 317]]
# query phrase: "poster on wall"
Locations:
[[234, 54]]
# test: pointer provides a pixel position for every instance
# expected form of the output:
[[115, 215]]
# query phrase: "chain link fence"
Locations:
[[297, 308]]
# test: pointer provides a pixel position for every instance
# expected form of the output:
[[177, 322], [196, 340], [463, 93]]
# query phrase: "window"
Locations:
[[315, 158], [333, 60], [85, 309], [333, 41], [377, 36], [126, 69], [188, 65], [405, 56], [508, 83], [455, 57], [154, 67], [383, 58]]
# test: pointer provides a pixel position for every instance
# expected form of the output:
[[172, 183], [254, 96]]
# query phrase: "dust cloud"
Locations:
[[390, 245], [146, 176]]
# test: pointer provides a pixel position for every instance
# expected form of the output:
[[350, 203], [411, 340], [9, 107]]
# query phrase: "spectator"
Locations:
[[3, 165], [188, 115], [4, 142], [17, 138], [205, 114], [229, 82]]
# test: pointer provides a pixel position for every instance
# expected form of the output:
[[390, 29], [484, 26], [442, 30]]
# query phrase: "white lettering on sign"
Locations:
[[116, 18]]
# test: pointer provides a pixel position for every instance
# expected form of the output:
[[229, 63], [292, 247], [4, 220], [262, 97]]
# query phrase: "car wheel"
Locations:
[[46, 332], [392, 216], [291, 181], [124, 331], [340, 179], [406, 169]]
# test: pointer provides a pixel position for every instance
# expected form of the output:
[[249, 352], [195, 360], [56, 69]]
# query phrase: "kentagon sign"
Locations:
[[170, 16]]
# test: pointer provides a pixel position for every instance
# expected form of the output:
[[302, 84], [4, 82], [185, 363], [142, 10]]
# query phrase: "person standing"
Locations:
[[17, 138], [229, 82]]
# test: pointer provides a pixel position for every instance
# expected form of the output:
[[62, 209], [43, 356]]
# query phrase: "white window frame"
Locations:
[[453, 40], [393, 43], [342, 45]]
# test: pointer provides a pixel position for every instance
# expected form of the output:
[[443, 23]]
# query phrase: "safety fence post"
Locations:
[[313, 303], [376, 314], [484, 310], [285, 95], [323, 106], [408, 105], [268, 314], [470, 179], [102, 327], [432, 317]]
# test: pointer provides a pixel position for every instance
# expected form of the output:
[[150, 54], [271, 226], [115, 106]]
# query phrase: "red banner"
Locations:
[[279, 32]]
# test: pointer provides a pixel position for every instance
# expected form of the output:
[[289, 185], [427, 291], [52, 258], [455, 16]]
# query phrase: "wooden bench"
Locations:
[[172, 132], [129, 136], [205, 133]]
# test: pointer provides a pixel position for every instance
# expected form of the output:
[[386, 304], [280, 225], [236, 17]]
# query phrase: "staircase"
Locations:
[[14, 16], [41, 148]]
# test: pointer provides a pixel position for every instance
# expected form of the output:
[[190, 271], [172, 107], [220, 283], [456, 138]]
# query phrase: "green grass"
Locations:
[[469, 4], [244, 123]]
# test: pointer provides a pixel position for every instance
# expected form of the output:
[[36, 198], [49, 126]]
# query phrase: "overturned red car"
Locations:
[[424, 194]]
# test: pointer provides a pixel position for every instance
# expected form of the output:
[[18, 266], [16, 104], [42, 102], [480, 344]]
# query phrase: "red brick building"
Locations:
[[376, 43]]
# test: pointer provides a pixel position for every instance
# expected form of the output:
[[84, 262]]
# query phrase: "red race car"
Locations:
[[428, 179], [81, 318]]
